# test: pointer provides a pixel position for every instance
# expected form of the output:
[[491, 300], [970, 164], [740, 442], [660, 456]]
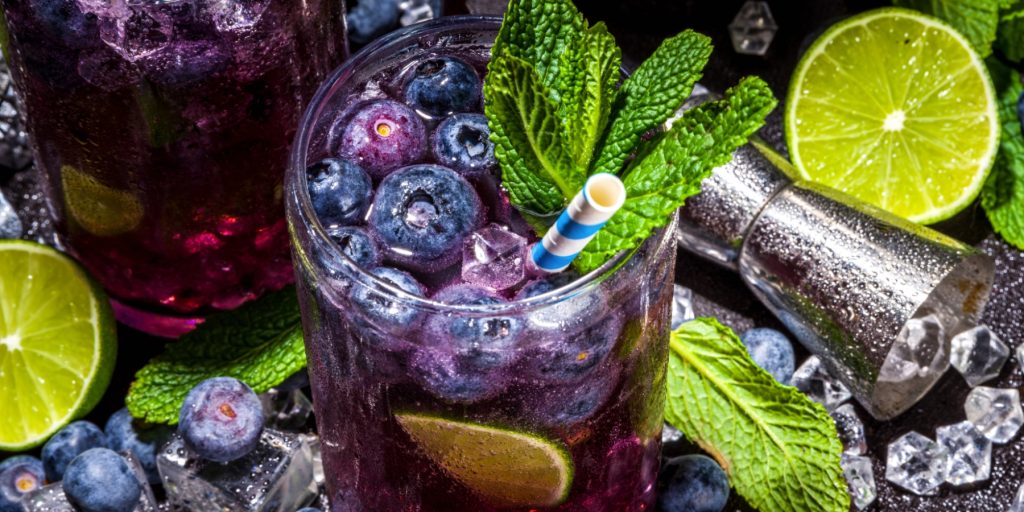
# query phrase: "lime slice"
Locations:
[[57, 343], [509, 469], [97, 208], [896, 109]]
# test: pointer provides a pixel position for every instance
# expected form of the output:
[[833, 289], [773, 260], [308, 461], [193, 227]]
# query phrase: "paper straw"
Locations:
[[602, 195]]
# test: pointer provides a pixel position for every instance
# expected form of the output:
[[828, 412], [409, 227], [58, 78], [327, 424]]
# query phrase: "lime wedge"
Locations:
[[895, 108], [509, 469], [97, 208], [57, 343]]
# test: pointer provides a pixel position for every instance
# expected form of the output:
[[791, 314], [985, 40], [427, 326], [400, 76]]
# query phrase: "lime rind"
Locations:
[[507, 467], [881, 190], [48, 306]]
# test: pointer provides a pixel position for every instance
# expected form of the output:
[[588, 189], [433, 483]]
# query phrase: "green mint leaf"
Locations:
[[260, 344], [1010, 35], [977, 20], [780, 449], [1003, 195], [539, 32], [654, 92], [589, 73], [536, 167], [672, 168]]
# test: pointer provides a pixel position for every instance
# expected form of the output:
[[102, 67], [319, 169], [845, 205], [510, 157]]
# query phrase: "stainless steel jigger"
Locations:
[[843, 276]]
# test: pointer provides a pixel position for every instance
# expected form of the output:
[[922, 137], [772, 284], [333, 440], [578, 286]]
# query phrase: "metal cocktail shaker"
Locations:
[[876, 297]]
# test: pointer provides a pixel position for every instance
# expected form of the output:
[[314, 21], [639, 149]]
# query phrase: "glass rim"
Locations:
[[297, 195]]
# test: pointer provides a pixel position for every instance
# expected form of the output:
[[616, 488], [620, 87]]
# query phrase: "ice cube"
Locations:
[[970, 453], [277, 476], [108, 70], [51, 498], [918, 352], [491, 7], [860, 479], [916, 463], [137, 33], [670, 434], [10, 224], [682, 305], [753, 28], [415, 11], [494, 257], [1018, 501], [978, 354], [230, 15], [995, 412], [850, 429], [286, 410], [814, 381]]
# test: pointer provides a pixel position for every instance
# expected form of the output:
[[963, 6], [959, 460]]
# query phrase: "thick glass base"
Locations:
[[156, 324]]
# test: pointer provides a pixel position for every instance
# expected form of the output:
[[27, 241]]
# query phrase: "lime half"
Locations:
[[57, 343], [509, 469], [895, 108]]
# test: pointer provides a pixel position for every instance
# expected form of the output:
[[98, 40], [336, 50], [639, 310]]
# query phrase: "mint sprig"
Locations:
[[779, 448], [557, 117], [259, 343], [1003, 195], [986, 24]]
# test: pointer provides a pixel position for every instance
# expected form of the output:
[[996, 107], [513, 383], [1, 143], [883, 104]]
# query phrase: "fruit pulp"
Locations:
[[162, 130], [370, 370]]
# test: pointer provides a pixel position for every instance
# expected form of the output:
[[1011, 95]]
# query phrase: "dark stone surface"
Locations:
[[640, 25]]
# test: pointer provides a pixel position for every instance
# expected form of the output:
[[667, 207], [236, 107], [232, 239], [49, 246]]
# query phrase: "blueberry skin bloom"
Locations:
[[67, 444], [692, 483], [221, 419], [772, 351], [123, 435], [100, 480], [340, 191], [19, 475], [483, 343], [383, 135], [463, 143], [422, 214], [384, 311], [443, 86], [357, 244]]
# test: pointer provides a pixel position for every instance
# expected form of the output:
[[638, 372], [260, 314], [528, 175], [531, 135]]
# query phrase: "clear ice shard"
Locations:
[[494, 257], [970, 453], [916, 463], [415, 11], [860, 479], [995, 412], [10, 224], [1018, 500], [978, 354], [277, 476], [286, 410], [918, 352], [682, 305], [670, 434], [850, 429], [753, 28], [51, 498], [814, 381]]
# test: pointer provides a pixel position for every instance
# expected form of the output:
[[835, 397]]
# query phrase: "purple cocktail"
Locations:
[[162, 129], [446, 373]]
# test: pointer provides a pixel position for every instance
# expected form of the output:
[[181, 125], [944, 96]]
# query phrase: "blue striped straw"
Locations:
[[602, 195]]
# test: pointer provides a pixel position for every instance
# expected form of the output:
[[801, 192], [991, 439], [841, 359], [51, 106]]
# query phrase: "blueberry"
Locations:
[[463, 143], [1020, 110], [298, 380], [566, 405], [221, 419], [569, 357], [381, 136], [100, 480], [370, 19], [19, 475], [771, 350], [340, 191], [443, 86], [451, 379], [478, 342], [65, 21], [423, 214], [386, 312], [692, 483], [569, 314], [357, 244], [67, 443], [186, 62], [309, 509], [125, 435]]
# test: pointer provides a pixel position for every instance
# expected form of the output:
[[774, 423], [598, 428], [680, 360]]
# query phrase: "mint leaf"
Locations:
[[538, 32], [536, 168], [1003, 195], [780, 449], [1010, 35], [977, 20], [260, 344], [653, 93], [589, 72], [663, 176]]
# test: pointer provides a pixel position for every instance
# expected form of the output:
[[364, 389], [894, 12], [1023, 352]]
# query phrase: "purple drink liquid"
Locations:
[[162, 128], [581, 366]]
